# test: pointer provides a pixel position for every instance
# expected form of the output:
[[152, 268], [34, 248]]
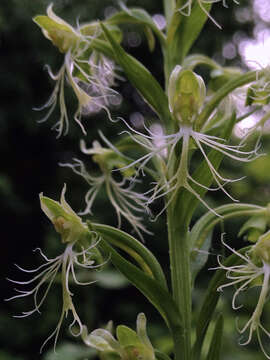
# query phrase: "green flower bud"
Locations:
[[186, 94], [65, 220]]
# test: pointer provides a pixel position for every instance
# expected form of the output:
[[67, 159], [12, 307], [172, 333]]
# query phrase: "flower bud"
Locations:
[[130, 344], [186, 94], [66, 222]]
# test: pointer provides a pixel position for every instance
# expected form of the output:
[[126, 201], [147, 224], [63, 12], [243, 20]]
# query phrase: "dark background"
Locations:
[[30, 154]]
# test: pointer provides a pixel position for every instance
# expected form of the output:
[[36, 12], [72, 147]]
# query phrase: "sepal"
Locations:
[[59, 32]]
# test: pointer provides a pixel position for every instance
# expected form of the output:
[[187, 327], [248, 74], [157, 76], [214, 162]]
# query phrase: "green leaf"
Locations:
[[211, 300], [199, 235], [194, 60], [183, 31], [169, 6], [137, 16], [134, 248], [140, 78], [255, 222], [199, 256], [216, 342], [151, 289], [150, 38]]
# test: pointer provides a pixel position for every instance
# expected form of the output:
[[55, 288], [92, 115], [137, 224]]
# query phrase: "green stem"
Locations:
[[180, 277], [179, 253]]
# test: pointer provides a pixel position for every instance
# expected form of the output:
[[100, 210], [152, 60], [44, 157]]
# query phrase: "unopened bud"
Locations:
[[66, 222], [186, 94]]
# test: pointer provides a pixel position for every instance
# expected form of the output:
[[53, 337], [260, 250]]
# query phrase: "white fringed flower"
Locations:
[[254, 271], [182, 178], [89, 73], [186, 97], [125, 200], [76, 256]]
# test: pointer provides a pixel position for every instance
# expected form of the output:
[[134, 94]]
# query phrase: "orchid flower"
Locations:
[[186, 97], [126, 202], [89, 73], [76, 255], [254, 271]]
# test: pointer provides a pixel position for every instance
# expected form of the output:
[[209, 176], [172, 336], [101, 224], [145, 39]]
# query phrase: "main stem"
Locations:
[[180, 277]]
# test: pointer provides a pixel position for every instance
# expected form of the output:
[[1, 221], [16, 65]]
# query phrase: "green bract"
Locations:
[[186, 94]]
